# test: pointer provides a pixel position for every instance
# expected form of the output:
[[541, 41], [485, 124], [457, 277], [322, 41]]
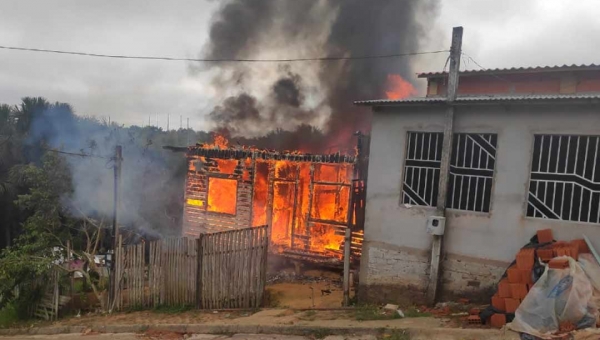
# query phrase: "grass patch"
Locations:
[[309, 315], [367, 312], [8, 316], [172, 309], [415, 313], [135, 308], [319, 333], [396, 334], [287, 312]]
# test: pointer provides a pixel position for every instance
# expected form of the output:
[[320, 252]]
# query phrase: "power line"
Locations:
[[485, 69], [117, 56], [74, 153]]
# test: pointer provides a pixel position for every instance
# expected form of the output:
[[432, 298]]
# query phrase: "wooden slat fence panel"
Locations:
[[220, 270], [233, 268]]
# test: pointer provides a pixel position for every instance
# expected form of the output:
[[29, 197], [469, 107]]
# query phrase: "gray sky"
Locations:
[[497, 34]]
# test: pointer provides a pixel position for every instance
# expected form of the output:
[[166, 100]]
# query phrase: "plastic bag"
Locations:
[[559, 295], [592, 270]]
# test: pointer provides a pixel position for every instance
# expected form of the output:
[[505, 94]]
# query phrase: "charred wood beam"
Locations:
[[265, 155], [336, 223], [333, 183]]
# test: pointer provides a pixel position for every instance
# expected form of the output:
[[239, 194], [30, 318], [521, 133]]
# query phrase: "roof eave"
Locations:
[[561, 101], [553, 69]]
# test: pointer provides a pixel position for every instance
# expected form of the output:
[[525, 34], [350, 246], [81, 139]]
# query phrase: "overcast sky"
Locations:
[[496, 34]]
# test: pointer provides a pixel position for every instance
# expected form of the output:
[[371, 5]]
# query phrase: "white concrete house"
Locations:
[[525, 156]]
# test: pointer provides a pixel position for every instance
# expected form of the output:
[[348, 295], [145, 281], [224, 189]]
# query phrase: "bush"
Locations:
[[8, 315], [20, 308]]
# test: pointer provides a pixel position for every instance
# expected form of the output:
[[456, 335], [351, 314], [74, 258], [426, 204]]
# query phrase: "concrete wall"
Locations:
[[477, 246]]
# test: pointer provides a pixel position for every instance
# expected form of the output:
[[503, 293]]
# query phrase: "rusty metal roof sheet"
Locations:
[[532, 69], [531, 99]]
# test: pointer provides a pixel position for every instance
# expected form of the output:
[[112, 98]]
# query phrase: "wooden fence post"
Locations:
[[56, 296], [71, 275], [199, 251]]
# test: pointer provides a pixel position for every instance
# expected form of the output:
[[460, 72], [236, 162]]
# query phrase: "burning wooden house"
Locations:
[[306, 200]]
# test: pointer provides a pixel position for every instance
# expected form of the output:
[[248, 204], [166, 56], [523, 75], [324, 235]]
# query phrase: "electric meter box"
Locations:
[[436, 225]]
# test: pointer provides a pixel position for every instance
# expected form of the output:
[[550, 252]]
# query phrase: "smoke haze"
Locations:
[[151, 178]]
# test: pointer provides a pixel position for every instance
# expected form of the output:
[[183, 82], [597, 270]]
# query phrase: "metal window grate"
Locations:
[[565, 179], [472, 171], [422, 168]]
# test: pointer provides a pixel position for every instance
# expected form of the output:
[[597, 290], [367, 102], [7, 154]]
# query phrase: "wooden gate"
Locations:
[[233, 268], [219, 270]]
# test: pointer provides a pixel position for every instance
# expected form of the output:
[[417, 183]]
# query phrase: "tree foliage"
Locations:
[[45, 228]]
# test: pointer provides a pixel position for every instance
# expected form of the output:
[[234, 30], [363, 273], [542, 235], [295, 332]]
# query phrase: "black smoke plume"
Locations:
[[234, 112], [300, 29], [287, 92]]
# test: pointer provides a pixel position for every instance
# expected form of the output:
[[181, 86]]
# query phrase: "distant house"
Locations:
[[525, 156]]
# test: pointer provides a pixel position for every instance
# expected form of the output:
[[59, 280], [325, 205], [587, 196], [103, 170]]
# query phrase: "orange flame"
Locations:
[[222, 194], [398, 88], [291, 197], [219, 141]]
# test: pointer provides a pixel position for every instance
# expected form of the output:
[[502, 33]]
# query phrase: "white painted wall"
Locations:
[[495, 236]]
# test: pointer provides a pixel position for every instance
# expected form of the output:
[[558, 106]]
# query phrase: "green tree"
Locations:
[[10, 158], [34, 250], [30, 109]]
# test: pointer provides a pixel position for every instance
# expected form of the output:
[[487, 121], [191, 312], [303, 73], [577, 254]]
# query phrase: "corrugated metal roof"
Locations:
[[572, 67], [481, 99]]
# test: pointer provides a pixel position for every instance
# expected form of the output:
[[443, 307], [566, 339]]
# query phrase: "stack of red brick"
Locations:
[[519, 280]]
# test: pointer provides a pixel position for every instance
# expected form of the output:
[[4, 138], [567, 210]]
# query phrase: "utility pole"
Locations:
[[117, 180], [452, 89], [347, 248], [168, 121], [148, 120]]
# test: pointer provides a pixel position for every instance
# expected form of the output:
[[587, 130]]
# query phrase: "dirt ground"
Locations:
[[313, 288], [420, 327], [342, 318], [150, 317], [289, 295], [307, 295], [278, 316]]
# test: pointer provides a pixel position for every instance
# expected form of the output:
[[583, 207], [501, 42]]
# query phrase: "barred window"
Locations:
[[472, 171], [564, 182], [422, 168]]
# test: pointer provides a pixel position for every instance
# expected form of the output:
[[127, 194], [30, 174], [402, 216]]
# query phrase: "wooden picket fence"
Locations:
[[215, 271]]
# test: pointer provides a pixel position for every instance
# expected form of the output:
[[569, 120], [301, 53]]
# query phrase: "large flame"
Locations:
[[220, 141], [222, 192], [291, 197], [221, 195], [398, 88]]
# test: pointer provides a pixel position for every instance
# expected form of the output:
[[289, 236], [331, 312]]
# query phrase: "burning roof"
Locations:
[[220, 152]]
